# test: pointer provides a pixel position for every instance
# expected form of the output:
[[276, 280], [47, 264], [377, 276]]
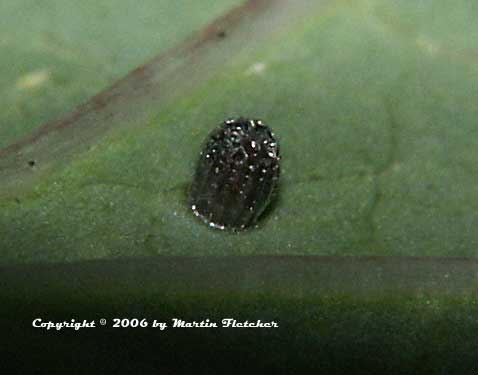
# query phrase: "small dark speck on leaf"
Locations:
[[221, 34], [31, 163], [315, 177]]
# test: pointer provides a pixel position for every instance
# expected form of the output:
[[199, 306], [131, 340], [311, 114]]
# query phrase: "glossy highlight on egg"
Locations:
[[236, 175]]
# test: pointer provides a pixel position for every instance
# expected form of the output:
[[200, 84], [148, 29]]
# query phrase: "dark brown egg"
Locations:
[[236, 174]]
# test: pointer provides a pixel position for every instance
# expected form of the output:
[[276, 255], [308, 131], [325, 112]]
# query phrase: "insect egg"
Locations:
[[236, 175]]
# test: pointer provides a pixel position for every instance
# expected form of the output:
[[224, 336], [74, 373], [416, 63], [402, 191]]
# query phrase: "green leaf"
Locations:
[[56, 54], [373, 104]]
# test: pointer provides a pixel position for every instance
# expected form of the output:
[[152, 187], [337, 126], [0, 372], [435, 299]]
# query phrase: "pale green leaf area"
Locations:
[[55, 54], [374, 105]]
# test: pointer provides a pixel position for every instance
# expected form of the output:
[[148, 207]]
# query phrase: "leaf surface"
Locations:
[[373, 104]]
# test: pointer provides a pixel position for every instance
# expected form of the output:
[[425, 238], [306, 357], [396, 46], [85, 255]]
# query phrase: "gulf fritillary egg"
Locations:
[[236, 175]]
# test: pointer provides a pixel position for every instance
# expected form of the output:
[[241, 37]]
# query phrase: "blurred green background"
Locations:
[[56, 54]]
